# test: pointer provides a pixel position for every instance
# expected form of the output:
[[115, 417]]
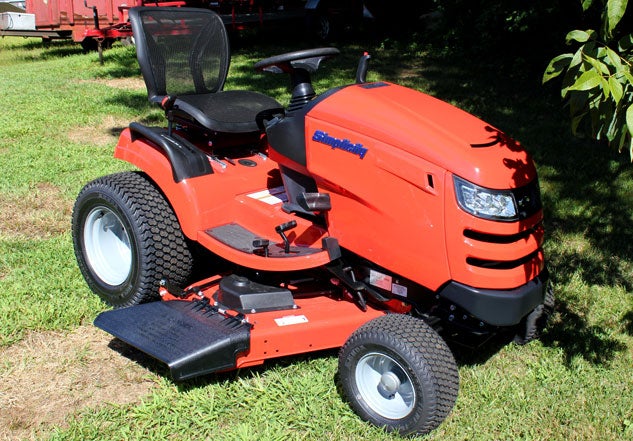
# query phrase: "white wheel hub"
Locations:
[[107, 246], [385, 386]]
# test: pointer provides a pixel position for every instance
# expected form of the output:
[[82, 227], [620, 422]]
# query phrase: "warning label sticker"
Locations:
[[387, 283], [270, 196], [291, 320], [399, 290], [380, 280]]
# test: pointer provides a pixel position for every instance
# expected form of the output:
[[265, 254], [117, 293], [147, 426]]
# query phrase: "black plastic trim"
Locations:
[[498, 307], [192, 338], [241, 239], [500, 238], [187, 161], [501, 264], [287, 135], [243, 295], [528, 199]]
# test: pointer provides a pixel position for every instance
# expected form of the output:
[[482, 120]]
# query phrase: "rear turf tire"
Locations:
[[127, 238], [397, 372]]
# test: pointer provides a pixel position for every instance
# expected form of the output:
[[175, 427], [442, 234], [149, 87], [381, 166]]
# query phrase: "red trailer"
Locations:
[[82, 20], [97, 23]]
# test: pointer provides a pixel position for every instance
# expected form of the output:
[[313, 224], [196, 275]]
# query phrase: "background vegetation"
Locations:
[[62, 111], [597, 82]]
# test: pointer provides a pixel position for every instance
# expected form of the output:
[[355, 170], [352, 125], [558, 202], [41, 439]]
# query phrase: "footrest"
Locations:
[[192, 338], [238, 237]]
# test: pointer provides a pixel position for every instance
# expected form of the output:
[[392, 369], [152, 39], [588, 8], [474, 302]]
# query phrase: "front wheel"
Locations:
[[127, 238], [532, 326], [397, 372]]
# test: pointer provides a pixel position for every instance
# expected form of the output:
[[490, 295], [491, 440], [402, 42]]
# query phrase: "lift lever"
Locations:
[[281, 230]]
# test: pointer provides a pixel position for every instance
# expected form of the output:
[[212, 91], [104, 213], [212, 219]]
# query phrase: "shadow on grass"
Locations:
[[40, 50], [120, 63], [161, 369], [137, 101], [627, 319], [571, 333]]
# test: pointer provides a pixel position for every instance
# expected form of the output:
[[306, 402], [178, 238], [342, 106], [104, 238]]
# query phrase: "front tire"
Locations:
[[127, 238], [397, 372], [533, 325]]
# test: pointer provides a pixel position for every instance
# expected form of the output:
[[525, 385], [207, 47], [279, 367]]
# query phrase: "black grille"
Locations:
[[501, 238], [501, 264]]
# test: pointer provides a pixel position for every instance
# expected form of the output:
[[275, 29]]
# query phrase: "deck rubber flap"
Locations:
[[190, 337]]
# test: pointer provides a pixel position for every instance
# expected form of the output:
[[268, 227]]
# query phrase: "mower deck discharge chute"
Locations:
[[370, 217]]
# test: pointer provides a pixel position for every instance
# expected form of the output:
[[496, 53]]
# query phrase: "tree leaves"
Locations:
[[586, 4], [556, 66], [588, 80], [616, 89], [614, 12], [597, 79], [579, 36], [629, 119]]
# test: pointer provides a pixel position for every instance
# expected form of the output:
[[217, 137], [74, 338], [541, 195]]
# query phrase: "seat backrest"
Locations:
[[181, 51]]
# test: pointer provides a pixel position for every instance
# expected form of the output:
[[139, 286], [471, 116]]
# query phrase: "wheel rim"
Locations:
[[107, 245], [385, 386]]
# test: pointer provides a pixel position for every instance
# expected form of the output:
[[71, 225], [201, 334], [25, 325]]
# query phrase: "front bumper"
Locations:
[[498, 307]]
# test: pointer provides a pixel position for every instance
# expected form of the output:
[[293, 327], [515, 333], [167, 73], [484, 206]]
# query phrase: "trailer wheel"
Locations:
[[397, 372], [319, 25], [127, 238]]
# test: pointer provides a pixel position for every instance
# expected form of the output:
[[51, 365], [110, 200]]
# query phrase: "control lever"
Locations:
[[361, 70], [281, 230], [261, 244]]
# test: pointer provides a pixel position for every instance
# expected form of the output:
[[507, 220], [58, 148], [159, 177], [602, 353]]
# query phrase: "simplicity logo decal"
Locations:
[[342, 144]]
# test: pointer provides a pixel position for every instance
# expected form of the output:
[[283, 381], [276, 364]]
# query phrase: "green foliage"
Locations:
[[504, 32], [597, 82]]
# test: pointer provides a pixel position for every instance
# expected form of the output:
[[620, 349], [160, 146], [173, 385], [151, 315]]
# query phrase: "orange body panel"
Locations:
[[396, 204], [392, 219], [393, 205], [228, 195], [318, 323], [429, 129]]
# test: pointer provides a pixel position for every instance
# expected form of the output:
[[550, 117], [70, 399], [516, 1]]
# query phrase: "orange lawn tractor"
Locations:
[[370, 217]]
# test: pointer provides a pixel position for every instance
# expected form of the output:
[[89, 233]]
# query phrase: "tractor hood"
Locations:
[[431, 129]]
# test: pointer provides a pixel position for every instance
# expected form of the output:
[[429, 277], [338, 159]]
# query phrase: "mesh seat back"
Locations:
[[181, 51]]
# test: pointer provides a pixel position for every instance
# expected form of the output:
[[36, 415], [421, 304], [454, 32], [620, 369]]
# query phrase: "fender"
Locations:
[[182, 189], [187, 161]]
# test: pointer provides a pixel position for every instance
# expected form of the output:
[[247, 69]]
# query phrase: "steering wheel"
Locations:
[[308, 59]]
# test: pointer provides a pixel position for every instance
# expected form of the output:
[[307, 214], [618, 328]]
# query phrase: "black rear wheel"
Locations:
[[398, 373], [127, 238]]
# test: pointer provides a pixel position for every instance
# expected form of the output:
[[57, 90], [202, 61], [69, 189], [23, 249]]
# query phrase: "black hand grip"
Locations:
[[286, 226]]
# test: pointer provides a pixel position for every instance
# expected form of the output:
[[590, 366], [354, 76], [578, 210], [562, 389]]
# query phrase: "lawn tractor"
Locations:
[[369, 217]]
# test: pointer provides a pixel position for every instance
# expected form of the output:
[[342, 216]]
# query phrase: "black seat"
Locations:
[[184, 57]]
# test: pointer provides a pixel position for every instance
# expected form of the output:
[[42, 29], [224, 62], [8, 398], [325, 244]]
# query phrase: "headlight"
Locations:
[[485, 203]]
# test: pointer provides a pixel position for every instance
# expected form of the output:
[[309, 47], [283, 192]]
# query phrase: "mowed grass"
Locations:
[[61, 113]]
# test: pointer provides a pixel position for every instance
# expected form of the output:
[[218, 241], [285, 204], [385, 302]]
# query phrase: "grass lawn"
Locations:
[[61, 114]]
